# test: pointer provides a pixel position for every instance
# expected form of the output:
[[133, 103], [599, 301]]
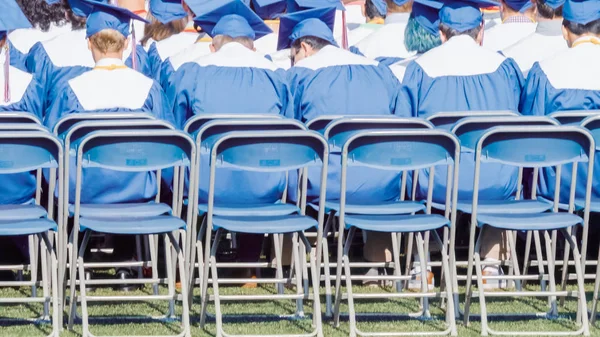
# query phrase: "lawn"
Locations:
[[110, 324]]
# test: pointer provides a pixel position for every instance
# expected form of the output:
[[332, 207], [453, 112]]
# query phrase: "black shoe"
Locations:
[[123, 274]]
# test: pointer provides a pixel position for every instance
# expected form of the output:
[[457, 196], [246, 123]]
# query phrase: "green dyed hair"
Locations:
[[416, 38]]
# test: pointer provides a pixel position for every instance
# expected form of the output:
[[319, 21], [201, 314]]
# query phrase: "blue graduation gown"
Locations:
[[129, 91], [58, 60], [161, 50], [387, 41], [233, 80], [169, 66], [460, 75], [567, 81], [25, 95], [338, 82]]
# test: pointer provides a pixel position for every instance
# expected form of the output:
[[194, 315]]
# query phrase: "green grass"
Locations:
[[237, 326]]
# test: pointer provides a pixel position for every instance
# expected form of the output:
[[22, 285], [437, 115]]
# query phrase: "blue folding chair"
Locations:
[[23, 152], [400, 150], [211, 128], [573, 117], [67, 121], [131, 151], [263, 151], [196, 122], [533, 147], [337, 132], [20, 117], [446, 120]]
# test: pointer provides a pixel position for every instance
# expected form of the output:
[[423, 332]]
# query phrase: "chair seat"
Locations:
[[505, 206], [265, 224], [540, 221], [397, 223], [563, 206], [22, 212], [389, 208], [128, 225], [240, 210], [594, 205], [121, 210], [26, 227]]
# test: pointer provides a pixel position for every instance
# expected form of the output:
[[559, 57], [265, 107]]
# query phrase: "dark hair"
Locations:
[[316, 43], [417, 38], [451, 32], [579, 29], [42, 15], [371, 11], [392, 7], [546, 11], [77, 22], [159, 31]]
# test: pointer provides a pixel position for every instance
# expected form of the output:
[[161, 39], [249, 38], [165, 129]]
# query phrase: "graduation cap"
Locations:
[[200, 7], [233, 18], [269, 9], [427, 14], [554, 4], [316, 22], [400, 2], [166, 11], [581, 11], [80, 7], [11, 18], [300, 5], [519, 5], [381, 6], [106, 16], [52, 2], [462, 15]]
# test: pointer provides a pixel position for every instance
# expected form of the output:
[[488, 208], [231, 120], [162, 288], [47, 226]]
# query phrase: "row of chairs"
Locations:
[[135, 142]]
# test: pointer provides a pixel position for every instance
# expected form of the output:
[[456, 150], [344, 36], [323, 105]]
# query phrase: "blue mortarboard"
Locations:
[[200, 7], [12, 17], [462, 15], [519, 5], [427, 14], [381, 6], [554, 4], [52, 2], [166, 11], [235, 19], [106, 16], [316, 22], [81, 7], [581, 11], [269, 9], [400, 2], [301, 5]]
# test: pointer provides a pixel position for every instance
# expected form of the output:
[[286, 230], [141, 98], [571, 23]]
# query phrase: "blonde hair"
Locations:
[[108, 41], [158, 31], [393, 8]]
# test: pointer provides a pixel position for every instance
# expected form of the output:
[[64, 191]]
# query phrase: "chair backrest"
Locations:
[[18, 117], [135, 150], [69, 120], [592, 123], [468, 130], [449, 118], [24, 151], [319, 123], [78, 130], [23, 127], [269, 151], [574, 117], [196, 122], [339, 130]]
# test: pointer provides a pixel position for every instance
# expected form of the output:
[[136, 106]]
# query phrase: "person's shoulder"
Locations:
[[331, 56], [190, 53]]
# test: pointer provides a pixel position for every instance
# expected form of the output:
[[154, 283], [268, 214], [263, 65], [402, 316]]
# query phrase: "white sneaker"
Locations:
[[493, 284], [415, 279]]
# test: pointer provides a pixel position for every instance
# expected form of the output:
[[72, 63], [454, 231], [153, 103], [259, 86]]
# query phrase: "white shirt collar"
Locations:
[[109, 62]]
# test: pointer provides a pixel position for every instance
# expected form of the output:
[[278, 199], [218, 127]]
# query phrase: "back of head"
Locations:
[[159, 31], [399, 6], [108, 41], [419, 39], [550, 9], [43, 15], [316, 43], [375, 9], [581, 18], [220, 40]]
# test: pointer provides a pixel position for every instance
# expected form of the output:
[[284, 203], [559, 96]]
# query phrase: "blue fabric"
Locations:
[[11, 17], [355, 50], [581, 11], [347, 90], [166, 11], [107, 16], [80, 8], [540, 98], [265, 224], [316, 22], [427, 14], [17, 59], [300, 5], [148, 225], [53, 78], [233, 18], [397, 223], [166, 74], [154, 62], [554, 4], [269, 9], [102, 186], [463, 15], [519, 5], [25, 227], [499, 90], [381, 6], [388, 61], [211, 89]]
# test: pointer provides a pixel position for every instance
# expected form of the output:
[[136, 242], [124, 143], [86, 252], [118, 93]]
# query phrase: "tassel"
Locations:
[[133, 49], [344, 32], [6, 73]]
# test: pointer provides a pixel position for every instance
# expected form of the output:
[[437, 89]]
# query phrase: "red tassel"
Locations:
[[344, 32], [6, 74]]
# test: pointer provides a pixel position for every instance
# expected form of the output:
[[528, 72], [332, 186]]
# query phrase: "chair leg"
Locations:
[[469, 283], [277, 241], [423, 266], [50, 250], [596, 289], [205, 277], [170, 274], [215, 283], [409, 253], [396, 258], [45, 276], [298, 271], [512, 242], [82, 290], [317, 319], [550, 253], [450, 314], [540, 257], [73, 278], [347, 273], [185, 316], [326, 267], [580, 285], [526, 257], [565, 266], [338, 277], [33, 262], [479, 273], [153, 260]]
